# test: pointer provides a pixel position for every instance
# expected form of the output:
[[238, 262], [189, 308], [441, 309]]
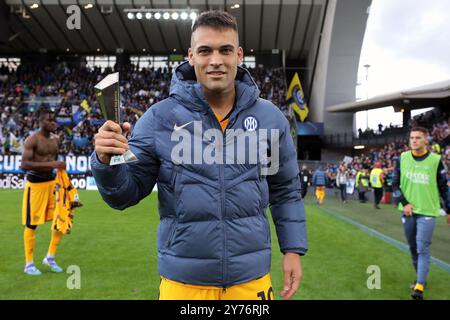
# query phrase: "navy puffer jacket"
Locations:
[[213, 223]]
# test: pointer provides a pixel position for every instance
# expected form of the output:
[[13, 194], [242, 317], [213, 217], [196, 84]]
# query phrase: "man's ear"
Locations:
[[240, 53], [191, 56]]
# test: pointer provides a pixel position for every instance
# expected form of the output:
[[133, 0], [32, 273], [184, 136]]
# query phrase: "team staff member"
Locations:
[[305, 180], [39, 158], [320, 181], [376, 182], [214, 235], [362, 184], [419, 181]]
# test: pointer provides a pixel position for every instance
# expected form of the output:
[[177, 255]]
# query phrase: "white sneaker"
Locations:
[[52, 264]]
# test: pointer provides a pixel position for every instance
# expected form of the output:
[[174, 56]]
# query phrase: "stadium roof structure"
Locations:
[[431, 95], [264, 25]]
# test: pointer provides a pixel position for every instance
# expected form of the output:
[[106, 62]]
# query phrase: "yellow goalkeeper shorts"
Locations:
[[38, 204], [259, 289]]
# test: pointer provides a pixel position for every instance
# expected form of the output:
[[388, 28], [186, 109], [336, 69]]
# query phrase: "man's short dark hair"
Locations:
[[43, 111], [215, 19], [419, 129]]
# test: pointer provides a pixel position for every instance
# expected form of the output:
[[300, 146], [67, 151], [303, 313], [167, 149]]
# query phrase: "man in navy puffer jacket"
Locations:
[[220, 156]]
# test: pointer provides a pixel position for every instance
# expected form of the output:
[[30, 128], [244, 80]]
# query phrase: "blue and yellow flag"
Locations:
[[85, 105], [296, 99]]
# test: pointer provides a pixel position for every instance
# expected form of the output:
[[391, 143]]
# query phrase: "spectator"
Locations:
[[140, 89], [341, 181]]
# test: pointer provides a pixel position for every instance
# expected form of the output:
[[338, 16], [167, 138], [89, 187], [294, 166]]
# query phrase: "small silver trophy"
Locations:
[[108, 96]]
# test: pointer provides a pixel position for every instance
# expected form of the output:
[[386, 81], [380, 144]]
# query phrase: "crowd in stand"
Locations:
[[438, 125], [140, 89], [382, 130], [436, 121], [386, 156], [77, 110]]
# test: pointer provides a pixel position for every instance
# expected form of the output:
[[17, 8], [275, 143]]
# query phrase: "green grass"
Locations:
[[116, 252], [388, 221]]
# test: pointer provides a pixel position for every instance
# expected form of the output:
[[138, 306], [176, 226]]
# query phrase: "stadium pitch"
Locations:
[[117, 259]]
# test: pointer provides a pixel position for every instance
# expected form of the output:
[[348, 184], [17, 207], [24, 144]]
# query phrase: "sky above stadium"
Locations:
[[406, 45]]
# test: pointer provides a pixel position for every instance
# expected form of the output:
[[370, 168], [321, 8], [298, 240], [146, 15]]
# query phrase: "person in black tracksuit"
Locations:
[[305, 180]]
